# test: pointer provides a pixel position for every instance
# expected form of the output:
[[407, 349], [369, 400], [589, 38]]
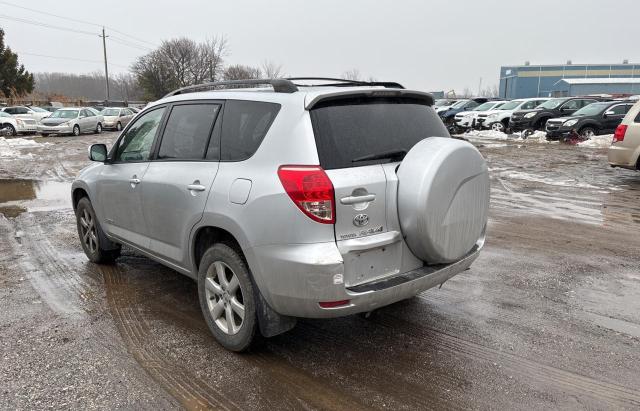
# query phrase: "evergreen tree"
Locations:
[[15, 81]]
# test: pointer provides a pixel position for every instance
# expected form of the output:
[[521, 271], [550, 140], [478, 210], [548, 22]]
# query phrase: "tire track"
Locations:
[[612, 394]]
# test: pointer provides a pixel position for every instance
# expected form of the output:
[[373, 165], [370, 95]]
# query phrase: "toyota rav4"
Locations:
[[293, 200]]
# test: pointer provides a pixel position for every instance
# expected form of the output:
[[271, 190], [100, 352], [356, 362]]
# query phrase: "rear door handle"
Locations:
[[357, 199], [196, 187]]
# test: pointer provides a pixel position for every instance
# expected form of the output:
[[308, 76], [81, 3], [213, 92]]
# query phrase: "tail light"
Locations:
[[311, 190], [620, 132]]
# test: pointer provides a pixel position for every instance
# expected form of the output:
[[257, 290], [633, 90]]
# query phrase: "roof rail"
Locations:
[[279, 85], [340, 82]]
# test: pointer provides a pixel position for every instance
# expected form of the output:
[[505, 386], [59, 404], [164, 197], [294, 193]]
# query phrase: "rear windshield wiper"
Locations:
[[392, 154]]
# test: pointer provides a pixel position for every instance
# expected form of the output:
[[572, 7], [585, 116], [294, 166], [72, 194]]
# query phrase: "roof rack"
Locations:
[[279, 85], [340, 82]]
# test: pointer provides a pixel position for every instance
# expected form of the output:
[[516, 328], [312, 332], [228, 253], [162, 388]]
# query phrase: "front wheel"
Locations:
[[587, 132], [76, 130], [44, 134], [227, 297], [498, 127], [99, 128], [119, 126], [12, 130], [92, 238]]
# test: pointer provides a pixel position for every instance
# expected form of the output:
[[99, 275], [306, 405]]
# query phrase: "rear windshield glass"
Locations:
[[354, 128]]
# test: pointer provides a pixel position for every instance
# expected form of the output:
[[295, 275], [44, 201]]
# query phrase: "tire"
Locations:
[[223, 307], [44, 134], [527, 132], [498, 126], [587, 132], [443, 208], [98, 128], [119, 126], [12, 130], [76, 130], [95, 245]]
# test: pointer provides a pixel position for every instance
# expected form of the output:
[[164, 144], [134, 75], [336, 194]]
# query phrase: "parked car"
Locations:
[[27, 113], [596, 118], [13, 126], [448, 116], [116, 117], [536, 119], [280, 208], [625, 146], [467, 119], [443, 104], [498, 119], [50, 109], [74, 121]]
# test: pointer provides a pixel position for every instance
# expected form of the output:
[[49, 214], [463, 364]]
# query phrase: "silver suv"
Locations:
[[294, 200]]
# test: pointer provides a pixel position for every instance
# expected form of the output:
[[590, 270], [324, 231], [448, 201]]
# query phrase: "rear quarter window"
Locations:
[[351, 128], [244, 125]]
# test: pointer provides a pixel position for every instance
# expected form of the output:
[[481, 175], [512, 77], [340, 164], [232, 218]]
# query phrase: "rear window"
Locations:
[[244, 125], [353, 128]]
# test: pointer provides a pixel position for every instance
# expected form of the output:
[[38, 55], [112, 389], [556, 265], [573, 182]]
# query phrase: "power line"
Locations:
[[128, 43], [50, 26], [67, 58], [76, 21]]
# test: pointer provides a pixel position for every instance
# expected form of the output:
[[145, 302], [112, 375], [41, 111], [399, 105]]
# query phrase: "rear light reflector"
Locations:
[[311, 190], [333, 304], [620, 132]]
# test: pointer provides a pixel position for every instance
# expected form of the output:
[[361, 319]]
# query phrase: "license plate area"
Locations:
[[372, 264]]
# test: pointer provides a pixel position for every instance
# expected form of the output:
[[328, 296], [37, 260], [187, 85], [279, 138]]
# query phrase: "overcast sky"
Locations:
[[429, 45]]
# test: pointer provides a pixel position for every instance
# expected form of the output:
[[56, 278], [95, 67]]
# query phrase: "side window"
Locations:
[[136, 143], [87, 113], [529, 105], [620, 109], [10, 110], [627, 107], [186, 135], [587, 102], [572, 105], [22, 110], [244, 125], [127, 112]]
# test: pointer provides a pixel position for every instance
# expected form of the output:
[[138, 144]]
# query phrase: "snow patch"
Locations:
[[603, 141], [537, 137], [9, 147]]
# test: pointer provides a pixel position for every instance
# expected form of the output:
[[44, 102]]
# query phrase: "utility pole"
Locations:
[[106, 69]]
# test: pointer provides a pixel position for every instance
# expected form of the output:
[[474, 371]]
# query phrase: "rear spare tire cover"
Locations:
[[443, 199]]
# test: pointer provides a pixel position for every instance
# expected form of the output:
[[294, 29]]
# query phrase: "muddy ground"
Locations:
[[547, 317]]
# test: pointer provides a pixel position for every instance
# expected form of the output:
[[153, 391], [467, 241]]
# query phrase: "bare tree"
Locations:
[[88, 86], [353, 74], [271, 69], [466, 92], [240, 72], [178, 63]]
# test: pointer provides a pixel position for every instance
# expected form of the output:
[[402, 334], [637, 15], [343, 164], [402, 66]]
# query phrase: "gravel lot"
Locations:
[[547, 317]]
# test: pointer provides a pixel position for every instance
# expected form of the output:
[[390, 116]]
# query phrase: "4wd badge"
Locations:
[[361, 220]]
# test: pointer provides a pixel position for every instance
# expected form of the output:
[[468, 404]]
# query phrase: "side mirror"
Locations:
[[98, 152], [609, 113]]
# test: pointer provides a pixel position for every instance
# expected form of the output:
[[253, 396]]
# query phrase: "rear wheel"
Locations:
[[44, 134], [94, 244], [587, 132], [227, 297], [76, 130]]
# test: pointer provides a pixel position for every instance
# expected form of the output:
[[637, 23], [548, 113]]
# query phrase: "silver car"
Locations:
[[116, 117], [73, 121], [302, 201]]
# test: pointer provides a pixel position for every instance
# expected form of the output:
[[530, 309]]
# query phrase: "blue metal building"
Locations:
[[546, 80]]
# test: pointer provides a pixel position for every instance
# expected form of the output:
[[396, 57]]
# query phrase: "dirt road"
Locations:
[[548, 316]]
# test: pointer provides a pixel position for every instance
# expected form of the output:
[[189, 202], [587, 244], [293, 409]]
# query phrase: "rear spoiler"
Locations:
[[377, 92]]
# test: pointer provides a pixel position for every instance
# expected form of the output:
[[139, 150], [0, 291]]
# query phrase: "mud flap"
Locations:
[[271, 323]]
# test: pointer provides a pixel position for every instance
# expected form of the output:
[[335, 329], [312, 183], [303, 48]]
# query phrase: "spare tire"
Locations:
[[443, 199]]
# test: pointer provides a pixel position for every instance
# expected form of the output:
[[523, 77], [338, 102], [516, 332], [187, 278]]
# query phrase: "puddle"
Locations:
[[19, 196]]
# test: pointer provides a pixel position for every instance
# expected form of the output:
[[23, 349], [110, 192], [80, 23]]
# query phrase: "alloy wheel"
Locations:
[[497, 127], [224, 298], [588, 133], [88, 231]]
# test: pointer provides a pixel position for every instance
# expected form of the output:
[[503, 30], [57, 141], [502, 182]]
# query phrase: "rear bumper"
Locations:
[[295, 278], [27, 128], [621, 156]]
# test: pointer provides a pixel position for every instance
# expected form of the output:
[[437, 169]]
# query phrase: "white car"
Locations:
[[498, 119], [14, 126], [467, 119], [35, 113]]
